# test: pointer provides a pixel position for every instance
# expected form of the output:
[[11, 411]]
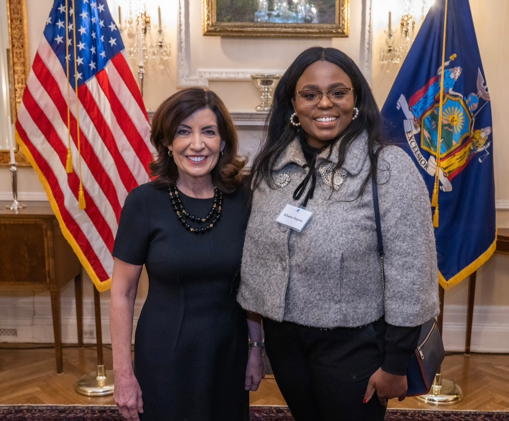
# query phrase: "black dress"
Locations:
[[191, 338]]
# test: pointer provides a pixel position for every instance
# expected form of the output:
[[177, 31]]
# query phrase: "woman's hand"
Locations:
[[255, 370], [387, 386], [127, 395]]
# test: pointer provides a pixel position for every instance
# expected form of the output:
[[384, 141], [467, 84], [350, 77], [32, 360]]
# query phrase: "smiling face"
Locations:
[[326, 120], [196, 146]]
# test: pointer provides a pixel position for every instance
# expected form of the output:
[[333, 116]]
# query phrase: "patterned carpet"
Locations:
[[258, 413], [273, 413]]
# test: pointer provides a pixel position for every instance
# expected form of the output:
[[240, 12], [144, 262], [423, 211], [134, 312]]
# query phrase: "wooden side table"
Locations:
[[503, 241], [35, 256]]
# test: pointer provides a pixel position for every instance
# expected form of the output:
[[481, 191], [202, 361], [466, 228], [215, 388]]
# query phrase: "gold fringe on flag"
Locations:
[[81, 198], [434, 200], [68, 162]]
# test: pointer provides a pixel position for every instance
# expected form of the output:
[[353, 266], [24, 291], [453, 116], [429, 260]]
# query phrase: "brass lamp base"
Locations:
[[263, 108], [100, 383], [266, 84], [443, 392]]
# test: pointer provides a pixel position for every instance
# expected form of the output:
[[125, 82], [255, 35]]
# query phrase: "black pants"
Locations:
[[323, 374]]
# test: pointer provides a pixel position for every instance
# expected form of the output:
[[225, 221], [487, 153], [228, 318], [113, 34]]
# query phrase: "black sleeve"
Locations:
[[400, 344], [247, 196], [132, 239]]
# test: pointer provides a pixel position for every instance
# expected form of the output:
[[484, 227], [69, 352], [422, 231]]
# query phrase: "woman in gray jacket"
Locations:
[[339, 340]]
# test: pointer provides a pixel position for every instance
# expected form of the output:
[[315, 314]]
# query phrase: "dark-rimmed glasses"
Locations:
[[336, 95]]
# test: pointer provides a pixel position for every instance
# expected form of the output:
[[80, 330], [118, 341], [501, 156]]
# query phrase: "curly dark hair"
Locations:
[[280, 132], [227, 174]]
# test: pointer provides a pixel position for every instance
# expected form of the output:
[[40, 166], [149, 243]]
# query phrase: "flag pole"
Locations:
[[101, 382], [68, 163], [434, 199], [81, 193], [443, 391]]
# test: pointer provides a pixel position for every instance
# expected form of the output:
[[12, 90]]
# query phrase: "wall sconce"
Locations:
[[139, 42], [399, 40]]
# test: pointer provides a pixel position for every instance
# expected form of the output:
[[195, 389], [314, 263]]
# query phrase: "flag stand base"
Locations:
[[100, 383], [443, 392]]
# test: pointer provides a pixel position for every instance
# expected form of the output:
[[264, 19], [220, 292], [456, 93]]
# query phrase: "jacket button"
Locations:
[[283, 265], [282, 228]]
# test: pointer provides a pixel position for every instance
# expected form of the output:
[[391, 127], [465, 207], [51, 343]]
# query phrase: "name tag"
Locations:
[[294, 217]]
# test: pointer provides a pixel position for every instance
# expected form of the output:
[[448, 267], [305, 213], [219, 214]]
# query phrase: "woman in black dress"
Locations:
[[187, 227]]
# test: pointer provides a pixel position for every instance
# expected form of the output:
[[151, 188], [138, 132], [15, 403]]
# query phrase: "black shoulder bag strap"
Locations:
[[426, 359], [374, 183]]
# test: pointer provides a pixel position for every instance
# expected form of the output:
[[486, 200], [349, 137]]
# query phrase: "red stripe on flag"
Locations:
[[126, 74], [103, 179], [94, 111], [67, 218], [124, 120], [46, 128]]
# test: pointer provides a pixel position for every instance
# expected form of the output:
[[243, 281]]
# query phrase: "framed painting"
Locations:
[[14, 70], [276, 18]]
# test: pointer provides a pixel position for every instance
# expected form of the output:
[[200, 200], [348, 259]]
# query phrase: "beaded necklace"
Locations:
[[183, 215]]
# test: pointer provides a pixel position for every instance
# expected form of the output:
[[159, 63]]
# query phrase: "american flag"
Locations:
[[112, 152]]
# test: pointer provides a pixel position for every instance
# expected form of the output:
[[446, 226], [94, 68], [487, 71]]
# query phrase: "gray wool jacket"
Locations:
[[329, 274]]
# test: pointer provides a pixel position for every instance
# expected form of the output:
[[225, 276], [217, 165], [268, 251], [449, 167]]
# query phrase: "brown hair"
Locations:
[[226, 175]]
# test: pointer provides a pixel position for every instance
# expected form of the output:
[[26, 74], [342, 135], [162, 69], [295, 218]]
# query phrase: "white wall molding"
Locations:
[[502, 204], [31, 316], [204, 76], [253, 121], [242, 120], [490, 328], [25, 196], [366, 51], [183, 51]]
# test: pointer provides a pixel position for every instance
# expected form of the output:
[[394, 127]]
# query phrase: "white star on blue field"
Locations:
[[98, 39]]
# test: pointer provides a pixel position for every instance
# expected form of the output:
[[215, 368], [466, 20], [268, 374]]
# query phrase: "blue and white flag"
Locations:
[[443, 91]]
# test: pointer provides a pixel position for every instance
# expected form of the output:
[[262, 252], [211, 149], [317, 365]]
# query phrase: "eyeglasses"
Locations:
[[336, 95]]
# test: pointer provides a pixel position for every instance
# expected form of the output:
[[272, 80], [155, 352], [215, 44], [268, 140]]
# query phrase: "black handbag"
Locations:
[[426, 359], [429, 354]]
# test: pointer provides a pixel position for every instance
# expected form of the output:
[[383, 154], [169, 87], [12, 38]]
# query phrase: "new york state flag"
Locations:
[[444, 92]]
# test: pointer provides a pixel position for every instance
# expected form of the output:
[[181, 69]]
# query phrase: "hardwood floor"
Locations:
[[28, 376]]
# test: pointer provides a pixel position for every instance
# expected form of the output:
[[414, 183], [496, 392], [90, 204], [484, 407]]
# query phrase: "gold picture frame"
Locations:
[[18, 65], [223, 21]]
